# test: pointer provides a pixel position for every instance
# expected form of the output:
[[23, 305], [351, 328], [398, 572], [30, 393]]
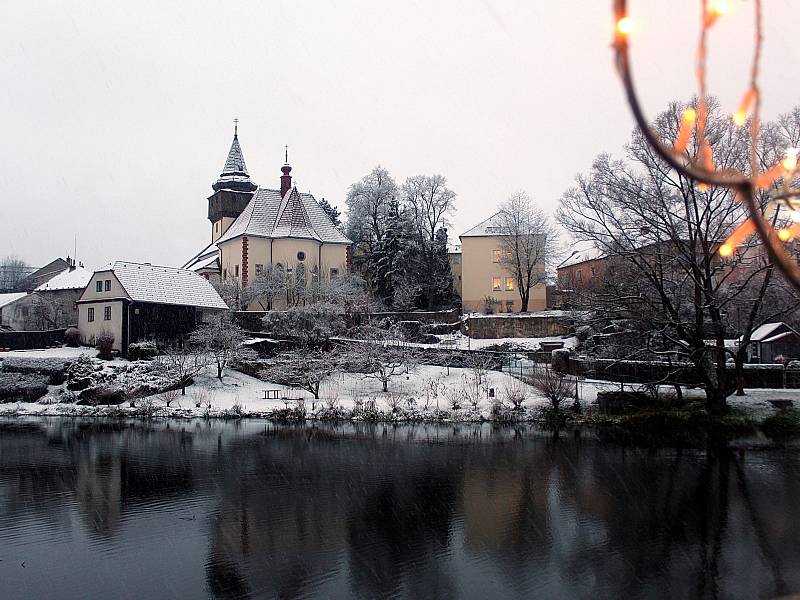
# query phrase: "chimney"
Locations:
[[286, 179]]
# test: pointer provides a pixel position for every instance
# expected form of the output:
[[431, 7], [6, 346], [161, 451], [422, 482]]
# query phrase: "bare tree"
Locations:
[[304, 368], [661, 234], [528, 244], [231, 291], [185, 361], [551, 384], [382, 361], [429, 201], [221, 338], [268, 286], [12, 271], [313, 325]]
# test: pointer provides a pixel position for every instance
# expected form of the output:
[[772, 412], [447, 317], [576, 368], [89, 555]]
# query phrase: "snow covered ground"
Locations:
[[462, 342], [64, 352]]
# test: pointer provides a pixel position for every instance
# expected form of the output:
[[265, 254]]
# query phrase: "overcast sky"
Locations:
[[116, 117]]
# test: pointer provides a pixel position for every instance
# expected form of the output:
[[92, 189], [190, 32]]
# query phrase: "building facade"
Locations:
[[486, 284]]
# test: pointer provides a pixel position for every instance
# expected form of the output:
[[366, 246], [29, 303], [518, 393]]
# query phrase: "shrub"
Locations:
[[72, 337], [104, 342], [142, 350], [55, 369], [22, 387], [102, 395]]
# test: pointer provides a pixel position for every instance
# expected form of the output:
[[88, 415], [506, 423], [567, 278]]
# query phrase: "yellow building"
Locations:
[[484, 279], [254, 227]]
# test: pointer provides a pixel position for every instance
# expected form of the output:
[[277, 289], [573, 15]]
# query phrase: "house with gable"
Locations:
[[140, 301]]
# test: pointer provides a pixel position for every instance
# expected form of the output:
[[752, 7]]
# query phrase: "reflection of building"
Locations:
[[486, 283], [142, 301], [255, 229]]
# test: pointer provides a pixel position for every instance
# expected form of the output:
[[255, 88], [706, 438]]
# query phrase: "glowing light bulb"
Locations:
[[784, 235], [625, 25], [739, 118], [725, 250], [719, 7], [790, 162]]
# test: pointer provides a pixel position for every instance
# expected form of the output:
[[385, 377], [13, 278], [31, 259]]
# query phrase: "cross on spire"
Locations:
[[286, 154]]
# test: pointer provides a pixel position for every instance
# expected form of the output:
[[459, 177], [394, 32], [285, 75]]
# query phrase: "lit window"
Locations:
[[510, 284], [90, 314], [259, 269], [106, 313], [98, 286], [108, 285], [496, 256], [496, 284]]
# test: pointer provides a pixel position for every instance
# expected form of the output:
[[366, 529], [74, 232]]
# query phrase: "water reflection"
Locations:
[[237, 510]]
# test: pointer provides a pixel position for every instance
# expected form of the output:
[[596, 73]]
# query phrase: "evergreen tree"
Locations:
[[332, 212], [440, 292], [387, 254]]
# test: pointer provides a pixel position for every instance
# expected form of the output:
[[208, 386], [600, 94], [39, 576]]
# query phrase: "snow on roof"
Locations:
[[491, 226], [583, 252], [69, 279], [166, 285], [296, 215], [6, 299], [202, 259], [780, 336], [763, 331]]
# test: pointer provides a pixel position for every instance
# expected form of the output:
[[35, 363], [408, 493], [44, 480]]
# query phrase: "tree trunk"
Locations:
[[385, 385], [219, 371], [715, 401], [739, 370]]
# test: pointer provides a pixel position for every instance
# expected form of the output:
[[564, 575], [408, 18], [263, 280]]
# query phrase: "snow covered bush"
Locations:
[[146, 350], [104, 342], [55, 369], [72, 337], [22, 387]]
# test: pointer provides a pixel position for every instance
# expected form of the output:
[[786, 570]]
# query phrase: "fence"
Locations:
[[27, 340]]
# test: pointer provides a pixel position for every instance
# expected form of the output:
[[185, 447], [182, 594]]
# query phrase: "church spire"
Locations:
[[234, 174]]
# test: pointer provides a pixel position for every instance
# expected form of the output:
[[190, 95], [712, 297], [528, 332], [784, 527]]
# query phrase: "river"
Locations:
[[214, 509]]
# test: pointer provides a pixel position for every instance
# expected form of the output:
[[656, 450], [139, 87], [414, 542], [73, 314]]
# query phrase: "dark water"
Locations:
[[195, 510]]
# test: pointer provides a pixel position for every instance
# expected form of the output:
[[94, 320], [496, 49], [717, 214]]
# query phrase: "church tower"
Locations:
[[232, 191]]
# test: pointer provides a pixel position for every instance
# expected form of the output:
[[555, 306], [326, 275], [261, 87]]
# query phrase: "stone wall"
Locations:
[[541, 324]]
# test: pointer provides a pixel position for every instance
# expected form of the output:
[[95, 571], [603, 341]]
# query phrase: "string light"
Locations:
[[625, 25], [745, 185], [789, 163]]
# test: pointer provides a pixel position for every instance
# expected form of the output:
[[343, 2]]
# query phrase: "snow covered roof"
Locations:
[[583, 252], [491, 226], [764, 331], [6, 299], [234, 174], [777, 337], [295, 215], [165, 285], [203, 259], [69, 279]]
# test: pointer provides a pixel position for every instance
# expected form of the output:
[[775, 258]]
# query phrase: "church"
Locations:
[[254, 228]]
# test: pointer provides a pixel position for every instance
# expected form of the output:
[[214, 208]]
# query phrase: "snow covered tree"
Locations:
[[221, 338], [304, 368], [367, 208], [184, 360], [528, 244], [388, 254], [313, 325], [12, 271], [265, 288]]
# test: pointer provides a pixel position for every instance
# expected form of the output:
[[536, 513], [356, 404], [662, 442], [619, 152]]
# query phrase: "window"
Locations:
[[301, 256], [224, 273], [509, 306], [108, 285], [236, 271], [509, 284], [259, 269], [594, 272], [90, 313], [579, 276], [216, 226], [334, 273], [98, 286], [496, 256], [106, 313], [496, 285]]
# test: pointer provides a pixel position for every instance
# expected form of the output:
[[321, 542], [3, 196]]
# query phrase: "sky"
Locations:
[[116, 117]]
